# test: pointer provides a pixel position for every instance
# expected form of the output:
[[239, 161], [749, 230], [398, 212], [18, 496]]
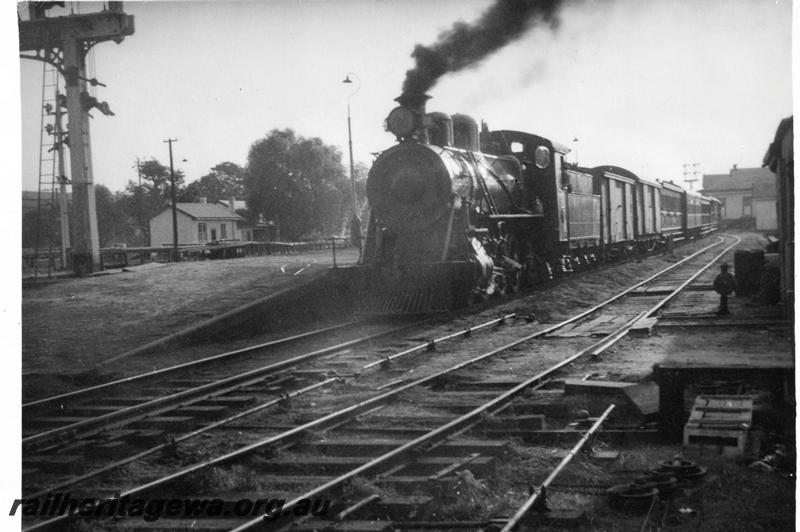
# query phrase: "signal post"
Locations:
[[63, 42]]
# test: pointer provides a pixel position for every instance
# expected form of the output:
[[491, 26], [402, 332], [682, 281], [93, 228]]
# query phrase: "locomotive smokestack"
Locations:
[[413, 100]]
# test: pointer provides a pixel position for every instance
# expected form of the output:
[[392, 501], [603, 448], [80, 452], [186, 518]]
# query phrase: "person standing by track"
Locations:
[[724, 285]]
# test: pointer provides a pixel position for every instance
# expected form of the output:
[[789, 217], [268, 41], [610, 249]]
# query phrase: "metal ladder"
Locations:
[[48, 207]]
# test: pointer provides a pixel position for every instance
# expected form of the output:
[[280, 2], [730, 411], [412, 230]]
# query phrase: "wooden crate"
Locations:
[[720, 423]]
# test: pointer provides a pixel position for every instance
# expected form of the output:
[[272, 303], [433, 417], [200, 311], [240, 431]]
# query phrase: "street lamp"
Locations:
[[575, 140], [355, 221]]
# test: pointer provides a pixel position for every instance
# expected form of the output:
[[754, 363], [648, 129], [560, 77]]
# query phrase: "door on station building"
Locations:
[[213, 234]]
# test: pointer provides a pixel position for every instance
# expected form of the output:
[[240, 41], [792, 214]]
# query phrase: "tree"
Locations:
[[152, 195], [46, 221], [299, 183], [115, 218], [226, 180]]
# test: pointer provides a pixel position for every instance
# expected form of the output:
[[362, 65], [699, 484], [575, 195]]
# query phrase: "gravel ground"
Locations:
[[154, 302], [70, 325]]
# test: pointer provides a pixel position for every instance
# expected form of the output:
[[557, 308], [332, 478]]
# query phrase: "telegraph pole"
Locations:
[[355, 221], [175, 253]]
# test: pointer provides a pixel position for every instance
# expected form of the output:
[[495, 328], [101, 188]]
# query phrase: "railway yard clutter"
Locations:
[[656, 454]]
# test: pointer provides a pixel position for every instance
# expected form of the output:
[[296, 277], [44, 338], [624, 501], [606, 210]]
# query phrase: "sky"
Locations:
[[648, 86]]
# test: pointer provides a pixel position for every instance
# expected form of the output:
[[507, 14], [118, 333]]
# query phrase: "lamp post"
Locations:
[[355, 221], [575, 140], [175, 253]]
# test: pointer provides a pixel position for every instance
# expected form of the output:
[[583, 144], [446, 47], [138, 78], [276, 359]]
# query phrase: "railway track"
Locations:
[[404, 431], [52, 422]]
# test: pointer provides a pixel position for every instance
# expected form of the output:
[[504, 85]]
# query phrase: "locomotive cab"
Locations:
[[567, 232]]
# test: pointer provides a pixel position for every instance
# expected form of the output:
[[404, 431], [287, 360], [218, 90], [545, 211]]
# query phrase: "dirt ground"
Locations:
[[70, 325], [123, 310]]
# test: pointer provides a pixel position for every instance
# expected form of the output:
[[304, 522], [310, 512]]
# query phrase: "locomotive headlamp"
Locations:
[[541, 157], [401, 121]]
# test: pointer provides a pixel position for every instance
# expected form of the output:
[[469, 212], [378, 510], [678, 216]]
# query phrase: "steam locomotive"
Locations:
[[461, 212]]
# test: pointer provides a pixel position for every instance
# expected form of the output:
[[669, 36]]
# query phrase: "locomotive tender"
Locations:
[[459, 211]]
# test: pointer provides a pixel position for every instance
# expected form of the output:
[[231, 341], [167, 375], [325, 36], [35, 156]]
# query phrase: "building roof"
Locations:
[[738, 179], [237, 204], [207, 211], [782, 146], [765, 190]]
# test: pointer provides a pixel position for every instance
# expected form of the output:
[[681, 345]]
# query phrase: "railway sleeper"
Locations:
[[147, 436], [526, 421], [135, 524], [337, 465], [172, 423], [541, 437], [237, 401], [388, 507], [52, 421], [89, 411], [201, 411], [63, 463], [368, 525], [377, 447], [528, 408], [111, 449], [120, 401]]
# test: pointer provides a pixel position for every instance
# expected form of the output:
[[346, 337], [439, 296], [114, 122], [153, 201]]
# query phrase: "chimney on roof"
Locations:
[[203, 200], [734, 168]]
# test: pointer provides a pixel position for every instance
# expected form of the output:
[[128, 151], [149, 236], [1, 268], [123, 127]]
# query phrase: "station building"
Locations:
[[198, 223], [747, 195]]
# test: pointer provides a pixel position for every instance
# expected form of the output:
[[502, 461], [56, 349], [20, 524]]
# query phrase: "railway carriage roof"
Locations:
[[666, 185], [693, 194], [654, 184], [510, 135], [615, 172]]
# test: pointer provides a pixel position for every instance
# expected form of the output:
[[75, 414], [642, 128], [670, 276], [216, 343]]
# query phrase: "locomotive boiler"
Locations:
[[446, 218]]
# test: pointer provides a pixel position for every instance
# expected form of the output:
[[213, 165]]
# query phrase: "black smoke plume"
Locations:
[[465, 45]]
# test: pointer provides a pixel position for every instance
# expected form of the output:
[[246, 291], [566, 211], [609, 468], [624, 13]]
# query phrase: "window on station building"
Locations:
[[202, 232], [223, 231]]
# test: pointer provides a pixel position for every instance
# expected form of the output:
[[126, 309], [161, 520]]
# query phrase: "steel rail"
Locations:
[[631, 288], [178, 367], [434, 436], [182, 398], [353, 410], [182, 438], [541, 491], [248, 412], [433, 343], [498, 403], [691, 279], [328, 420]]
